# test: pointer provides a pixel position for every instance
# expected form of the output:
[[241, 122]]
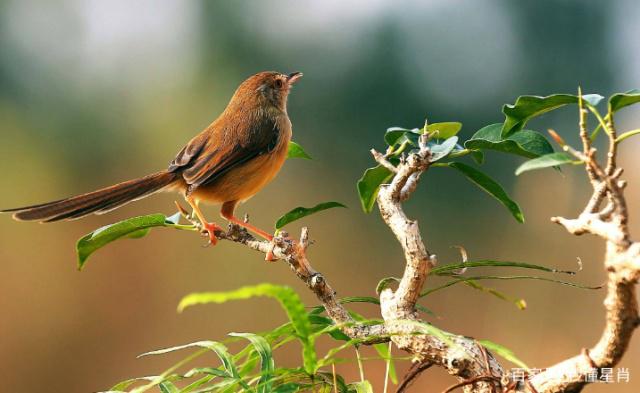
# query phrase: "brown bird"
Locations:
[[228, 162]]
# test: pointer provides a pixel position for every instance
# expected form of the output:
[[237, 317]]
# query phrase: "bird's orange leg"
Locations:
[[210, 227], [227, 213]]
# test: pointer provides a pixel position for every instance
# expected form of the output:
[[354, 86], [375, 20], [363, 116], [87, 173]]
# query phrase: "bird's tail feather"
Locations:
[[97, 202]]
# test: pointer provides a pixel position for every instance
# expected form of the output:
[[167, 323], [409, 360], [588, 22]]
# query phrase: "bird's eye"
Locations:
[[278, 83]]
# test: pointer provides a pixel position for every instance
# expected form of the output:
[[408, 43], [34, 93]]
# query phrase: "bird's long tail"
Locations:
[[97, 202]]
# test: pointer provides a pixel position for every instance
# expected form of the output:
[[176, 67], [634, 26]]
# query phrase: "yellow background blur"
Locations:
[[96, 92]]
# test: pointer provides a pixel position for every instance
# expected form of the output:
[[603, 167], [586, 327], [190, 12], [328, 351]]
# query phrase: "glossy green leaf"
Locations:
[[397, 135], [394, 135], [546, 161], [369, 185], [490, 186], [444, 130], [440, 151], [300, 212], [296, 151], [288, 299], [527, 107], [524, 143], [452, 267], [627, 134], [621, 100], [263, 349], [503, 352], [134, 228]]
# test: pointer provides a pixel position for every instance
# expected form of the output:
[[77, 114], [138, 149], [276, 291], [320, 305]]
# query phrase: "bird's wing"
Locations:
[[189, 152], [218, 150]]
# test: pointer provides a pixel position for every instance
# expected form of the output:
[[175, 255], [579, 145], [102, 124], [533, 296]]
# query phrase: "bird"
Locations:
[[227, 163]]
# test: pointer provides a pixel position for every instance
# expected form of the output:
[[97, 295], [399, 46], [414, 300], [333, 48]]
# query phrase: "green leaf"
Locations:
[[521, 304], [134, 228], [369, 185], [490, 186], [289, 387], [383, 351], [445, 129], [216, 372], [362, 387], [627, 134], [300, 212], [442, 150], [471, 281], [546, 161], [121, 386], [263, 349], [288, 299], [218, 348], [620, 100], [452, 267], [427, 328], [326, 325], [478, 156], [397, 135], [524, 143], [296, 151], [373, 300], [527, 107], [384, 283], [168, 387], [394, 135], [504, 352]]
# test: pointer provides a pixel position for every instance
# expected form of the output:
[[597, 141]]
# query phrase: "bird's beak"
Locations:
[[293, 77]]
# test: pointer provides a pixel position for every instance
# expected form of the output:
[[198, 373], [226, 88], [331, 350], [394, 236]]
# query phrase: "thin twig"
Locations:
[[411, 375], [470, 381]]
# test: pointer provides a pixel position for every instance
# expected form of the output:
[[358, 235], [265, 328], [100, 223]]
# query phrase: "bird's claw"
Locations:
[[209, 229]]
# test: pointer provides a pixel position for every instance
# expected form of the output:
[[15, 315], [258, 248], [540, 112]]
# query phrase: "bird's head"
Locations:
[[267, 88]]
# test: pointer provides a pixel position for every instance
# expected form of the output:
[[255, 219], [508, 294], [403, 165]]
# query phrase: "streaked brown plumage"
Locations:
[[228, 162]]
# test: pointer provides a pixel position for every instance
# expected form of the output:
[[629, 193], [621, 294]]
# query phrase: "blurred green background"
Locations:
[[95, 92]]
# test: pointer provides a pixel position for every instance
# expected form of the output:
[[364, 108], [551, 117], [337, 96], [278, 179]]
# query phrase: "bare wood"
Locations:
[[622, 262], [464, 359]]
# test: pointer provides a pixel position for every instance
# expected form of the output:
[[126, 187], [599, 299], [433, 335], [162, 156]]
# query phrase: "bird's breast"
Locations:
[[247, 179]]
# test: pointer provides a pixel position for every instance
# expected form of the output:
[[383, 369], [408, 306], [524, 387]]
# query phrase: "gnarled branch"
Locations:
[[621, 262]]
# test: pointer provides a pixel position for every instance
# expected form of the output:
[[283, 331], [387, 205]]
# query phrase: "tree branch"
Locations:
[[622, 262], [465, 359], [476, 369], [294, 254]]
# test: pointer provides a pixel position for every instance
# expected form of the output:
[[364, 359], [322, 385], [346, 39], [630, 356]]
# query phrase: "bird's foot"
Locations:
[[209, 229], [188, 216]]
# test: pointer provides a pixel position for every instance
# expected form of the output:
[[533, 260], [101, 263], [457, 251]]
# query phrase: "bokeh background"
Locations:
[[96, 92]]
